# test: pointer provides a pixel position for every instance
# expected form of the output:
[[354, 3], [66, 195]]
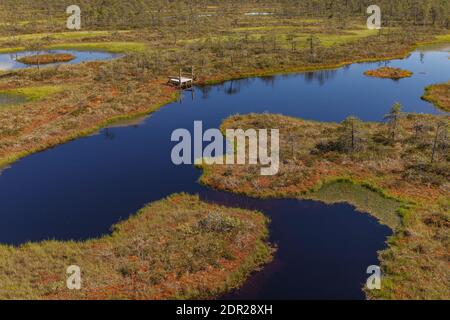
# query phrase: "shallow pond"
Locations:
[[11, 99], [79, 189], [8, 61]]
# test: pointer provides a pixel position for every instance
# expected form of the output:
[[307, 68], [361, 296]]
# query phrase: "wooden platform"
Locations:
[[182, 82]]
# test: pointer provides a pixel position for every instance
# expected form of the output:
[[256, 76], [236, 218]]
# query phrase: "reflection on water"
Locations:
[[233, 87], [79, 189], [8, 61]]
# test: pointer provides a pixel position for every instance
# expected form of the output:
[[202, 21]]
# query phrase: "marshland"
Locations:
[[364, 161]]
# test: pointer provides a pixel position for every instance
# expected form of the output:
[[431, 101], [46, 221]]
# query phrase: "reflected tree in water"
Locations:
[[269, 80], [320, 76], [205, 90], [108, 134]]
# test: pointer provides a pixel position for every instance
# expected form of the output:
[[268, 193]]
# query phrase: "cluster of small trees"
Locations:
[[415, 12], [115, 14]]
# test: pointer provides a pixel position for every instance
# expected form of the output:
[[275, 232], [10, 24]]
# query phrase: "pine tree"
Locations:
[[351, 129], [313, 42], [393, 117]]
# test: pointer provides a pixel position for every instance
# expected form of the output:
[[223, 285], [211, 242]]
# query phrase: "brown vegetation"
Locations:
[[439, 95], [161, 38], [176, 248], [221, 42], [89, 99], [412, 165]]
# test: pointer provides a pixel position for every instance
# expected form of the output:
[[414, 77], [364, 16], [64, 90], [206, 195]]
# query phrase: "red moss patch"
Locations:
[[389, 73]]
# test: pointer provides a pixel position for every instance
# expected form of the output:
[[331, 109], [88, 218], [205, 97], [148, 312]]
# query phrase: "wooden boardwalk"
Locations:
[[182, 81]]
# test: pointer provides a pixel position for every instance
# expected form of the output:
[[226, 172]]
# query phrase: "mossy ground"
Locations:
[[46, 58], [134, 85], [391, 179], [390, 73], [111, 46], [176, 248]]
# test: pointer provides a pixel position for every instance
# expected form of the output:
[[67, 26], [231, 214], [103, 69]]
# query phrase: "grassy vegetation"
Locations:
[[35, 93], [399, 173], [439, 95], [389, 73], [288, 36], [225, 45], [11, 100], [178, 248], [69, 35], [113, 47], [46, 59], [11, 49], [94, 40], [443, 38], [135, 84], [84, 118]]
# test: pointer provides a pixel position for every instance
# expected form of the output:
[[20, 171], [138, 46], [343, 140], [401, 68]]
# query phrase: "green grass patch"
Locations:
[[389, 73], [9, 100], [11, 50], [439, 95], [113, 47], [267, 28], [281, 33], [443, 38]]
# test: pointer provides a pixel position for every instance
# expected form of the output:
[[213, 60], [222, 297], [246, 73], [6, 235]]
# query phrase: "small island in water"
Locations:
[[179, 247], [202, 247], [389, 73], [46, 58]]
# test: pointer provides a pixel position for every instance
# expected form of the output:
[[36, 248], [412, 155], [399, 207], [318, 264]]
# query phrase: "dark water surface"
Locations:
[[79, 189], [8, 61]]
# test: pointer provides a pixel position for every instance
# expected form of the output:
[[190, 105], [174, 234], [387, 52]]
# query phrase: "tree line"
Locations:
[[113, 14], [432, 137]]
